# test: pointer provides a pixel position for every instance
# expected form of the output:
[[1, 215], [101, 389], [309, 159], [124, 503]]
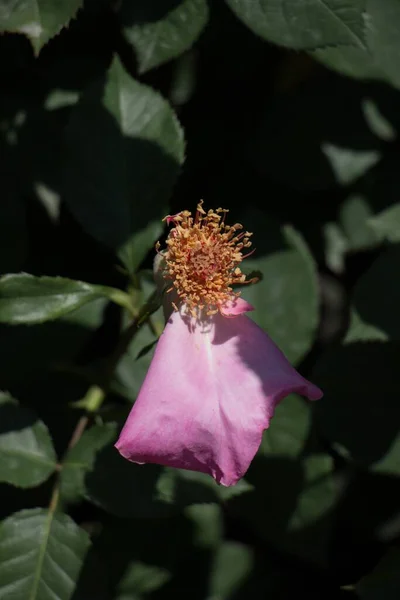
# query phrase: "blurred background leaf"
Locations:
[[118, 186], [160, 31], [382, 40], [286, 299], [26, 449], [383, 581], [37, 18], [387, 223], [293, 490], [375, 301], [309, 24], [80, 459]]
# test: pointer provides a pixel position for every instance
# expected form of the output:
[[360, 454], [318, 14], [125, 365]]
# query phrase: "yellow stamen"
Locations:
[[202, 259]]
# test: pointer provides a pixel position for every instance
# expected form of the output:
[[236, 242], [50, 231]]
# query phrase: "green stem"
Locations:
[[96, 394]]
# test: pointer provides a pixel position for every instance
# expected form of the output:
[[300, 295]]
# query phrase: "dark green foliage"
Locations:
[[113, 114]]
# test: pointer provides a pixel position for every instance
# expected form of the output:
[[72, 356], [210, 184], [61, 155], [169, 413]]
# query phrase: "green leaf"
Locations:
[[40, 356], [208, 524], [232, 565], [136, 568], [386, 224], [336, 247], [40, 20], [135, 491], [382, 19], [291, 505], [371, 398], [184, 79], [309, 123], [160, 31], [376, 298], [27, 456], [362, 331], [383, 583], [304, 25], [140, 579], [189, 559], [183, 488], [316, 499], [360, 412], [351, 61], [291, 426], [81, 458], [118, 187], [133, 366], [379, 124], [25, 299], [41, 555], [286, 300], [291, 494], [352, 231], [355, 219], [349, 164]]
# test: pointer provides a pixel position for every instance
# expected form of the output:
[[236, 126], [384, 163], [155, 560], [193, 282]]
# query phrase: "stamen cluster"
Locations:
[[202, 258]]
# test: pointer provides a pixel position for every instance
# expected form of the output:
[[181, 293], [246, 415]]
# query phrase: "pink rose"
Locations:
[[216, 377]]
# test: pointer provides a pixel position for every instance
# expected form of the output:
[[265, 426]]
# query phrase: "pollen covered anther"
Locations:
[[202, 258]]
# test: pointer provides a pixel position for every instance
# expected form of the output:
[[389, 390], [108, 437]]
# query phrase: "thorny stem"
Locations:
[[97, 393]]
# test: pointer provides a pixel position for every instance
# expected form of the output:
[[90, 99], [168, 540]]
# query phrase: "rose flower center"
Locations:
[[202, 258]]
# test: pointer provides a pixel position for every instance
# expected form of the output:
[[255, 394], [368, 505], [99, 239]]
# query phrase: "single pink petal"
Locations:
[[235, 307], [210, 391]]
